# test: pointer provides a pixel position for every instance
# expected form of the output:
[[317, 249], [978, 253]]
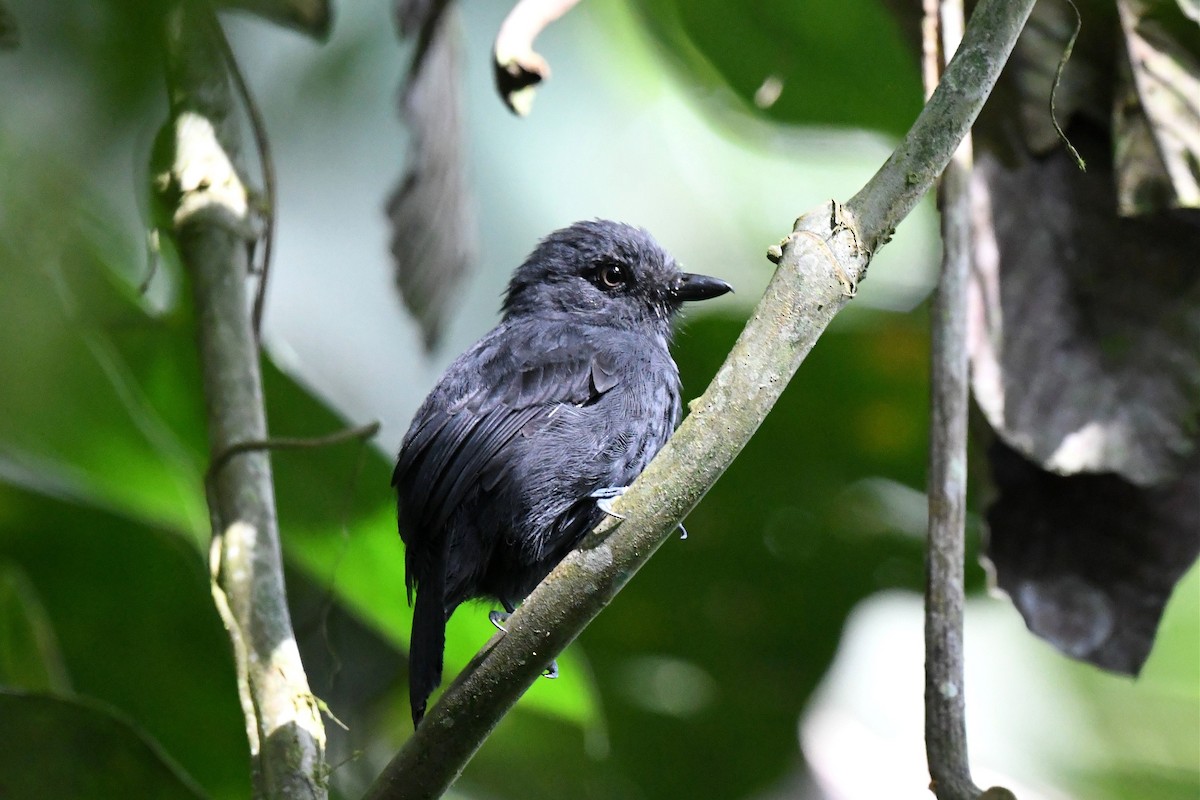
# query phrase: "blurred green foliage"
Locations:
[[840, 64], [690, 685]]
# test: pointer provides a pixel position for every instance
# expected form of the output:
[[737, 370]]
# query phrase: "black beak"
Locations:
[[698, 287]]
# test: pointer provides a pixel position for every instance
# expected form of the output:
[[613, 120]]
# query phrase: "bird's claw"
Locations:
[[604, 498], [498, 618]]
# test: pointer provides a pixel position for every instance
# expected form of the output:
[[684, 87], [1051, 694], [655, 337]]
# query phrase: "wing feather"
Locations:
[[460, 442]]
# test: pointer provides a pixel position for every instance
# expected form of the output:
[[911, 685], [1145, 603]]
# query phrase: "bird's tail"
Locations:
[[428, 641]]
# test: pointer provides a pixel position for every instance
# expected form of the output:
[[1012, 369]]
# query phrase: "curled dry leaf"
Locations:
[[517, 66]]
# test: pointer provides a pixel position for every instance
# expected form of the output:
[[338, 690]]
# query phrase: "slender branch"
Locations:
[[820, 265], [266, 160], [517, 66], [945, 707], [362, 433], [210, 223]]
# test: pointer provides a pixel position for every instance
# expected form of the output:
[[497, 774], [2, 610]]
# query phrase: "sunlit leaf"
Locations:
[[792, 59]]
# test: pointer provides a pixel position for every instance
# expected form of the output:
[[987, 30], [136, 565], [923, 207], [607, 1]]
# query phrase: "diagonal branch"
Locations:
[[820, 265], [210, 223], [911, 169]]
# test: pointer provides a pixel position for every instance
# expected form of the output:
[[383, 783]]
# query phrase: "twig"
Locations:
[[210, 223], [945, 709], [820, 264], [288, 443], [518, 67], [1058, 73], [932, 58], [266, 160], [265, 208]]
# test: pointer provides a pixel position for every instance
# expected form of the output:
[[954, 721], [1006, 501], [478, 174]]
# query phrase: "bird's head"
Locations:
[[605, 273]]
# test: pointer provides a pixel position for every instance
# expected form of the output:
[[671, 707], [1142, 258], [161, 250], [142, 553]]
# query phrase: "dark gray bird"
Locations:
[[570, 395]]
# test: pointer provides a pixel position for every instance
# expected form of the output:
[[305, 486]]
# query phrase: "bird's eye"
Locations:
[[611, 276]]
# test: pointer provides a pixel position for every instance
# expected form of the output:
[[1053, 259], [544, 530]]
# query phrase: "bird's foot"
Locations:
[[498, 618], [604, 498]]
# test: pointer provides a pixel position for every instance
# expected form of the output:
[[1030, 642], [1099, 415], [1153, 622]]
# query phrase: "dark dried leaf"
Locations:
[[432, 224], [1085, 332], [1090, 560], [1085, 347], [1085, 326]]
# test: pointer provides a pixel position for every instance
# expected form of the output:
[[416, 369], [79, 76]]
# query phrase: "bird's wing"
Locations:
[[459, 439]]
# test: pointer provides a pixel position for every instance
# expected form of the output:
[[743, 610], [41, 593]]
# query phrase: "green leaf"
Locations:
[[840, 64], [56, 747], [79, 419], [29, 651], [136, 630]]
